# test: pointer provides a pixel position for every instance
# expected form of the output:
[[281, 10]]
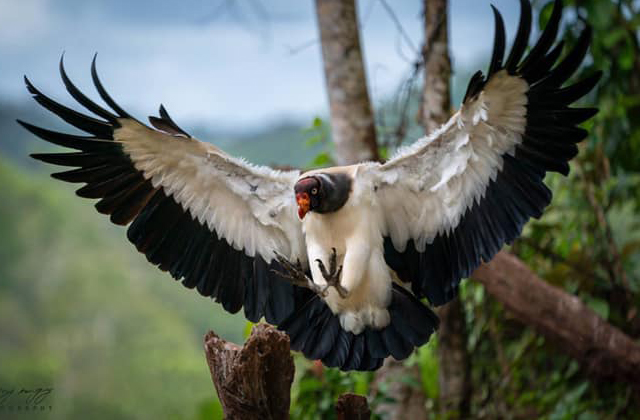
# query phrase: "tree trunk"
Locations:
[[352, 123], [436, 96], [604, 350], [408, 399], [454, 364], [454, 367]]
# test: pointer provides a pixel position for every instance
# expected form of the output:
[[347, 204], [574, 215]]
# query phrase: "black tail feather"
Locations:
[[316, 332]]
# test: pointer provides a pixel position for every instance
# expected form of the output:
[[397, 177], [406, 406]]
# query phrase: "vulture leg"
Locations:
[[295, 275], [332, 277]]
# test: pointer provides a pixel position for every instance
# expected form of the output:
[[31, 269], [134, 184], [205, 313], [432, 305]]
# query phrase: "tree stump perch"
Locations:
[[253, 381]]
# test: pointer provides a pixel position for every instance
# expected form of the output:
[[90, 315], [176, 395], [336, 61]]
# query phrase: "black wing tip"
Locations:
[[94, 70], [557, 7], [35, 92], [28, 83], [522, 37], [597, 75], [525, 5], [83, 99], [34, 129], [590, 112], [165, 123], [587, 31], [63, 72], [591, 81], [26, 125], [498, 21], [163, 111], [39, 156], [499, 42]]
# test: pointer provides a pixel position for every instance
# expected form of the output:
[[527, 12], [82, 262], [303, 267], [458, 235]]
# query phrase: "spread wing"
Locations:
[[209, 219], [453, 199]]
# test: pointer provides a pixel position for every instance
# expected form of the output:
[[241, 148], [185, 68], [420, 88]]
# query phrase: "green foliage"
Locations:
[[83, 313], [318, 136], [586, 243], [317, 389]]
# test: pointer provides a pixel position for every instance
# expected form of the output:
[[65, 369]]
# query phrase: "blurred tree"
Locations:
[[352, 123], [453, 359]]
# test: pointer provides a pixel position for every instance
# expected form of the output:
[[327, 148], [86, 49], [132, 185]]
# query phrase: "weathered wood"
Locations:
[[352, 407], [253, 381], [352, 122], [604, 350]]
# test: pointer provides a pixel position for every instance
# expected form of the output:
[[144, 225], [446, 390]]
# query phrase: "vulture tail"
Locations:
[[316, 332]]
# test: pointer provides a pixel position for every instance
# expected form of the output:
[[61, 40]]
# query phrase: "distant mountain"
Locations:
[[280, 143], [15, 142]]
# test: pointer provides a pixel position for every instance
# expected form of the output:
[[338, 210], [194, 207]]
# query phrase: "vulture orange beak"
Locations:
[[303, 204]]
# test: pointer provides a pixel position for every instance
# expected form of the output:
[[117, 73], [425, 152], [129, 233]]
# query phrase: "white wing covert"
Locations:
[[453, 199]]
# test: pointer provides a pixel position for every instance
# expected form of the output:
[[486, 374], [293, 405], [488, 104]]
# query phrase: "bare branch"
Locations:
[[603, 349], [293, 50], [399, 26]]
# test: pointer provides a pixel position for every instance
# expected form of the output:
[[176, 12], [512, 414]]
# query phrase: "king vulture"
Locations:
[[339, 258]]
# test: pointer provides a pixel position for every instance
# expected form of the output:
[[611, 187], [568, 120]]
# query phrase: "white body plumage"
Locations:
[[355, 231]]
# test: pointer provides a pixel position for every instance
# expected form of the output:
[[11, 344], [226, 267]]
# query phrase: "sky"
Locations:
[[235, 64]]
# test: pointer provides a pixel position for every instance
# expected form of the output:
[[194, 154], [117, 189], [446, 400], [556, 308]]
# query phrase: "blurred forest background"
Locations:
[[83, 313]]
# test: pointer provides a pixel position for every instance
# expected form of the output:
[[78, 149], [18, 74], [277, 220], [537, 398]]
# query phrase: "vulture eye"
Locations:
[[314, 191]]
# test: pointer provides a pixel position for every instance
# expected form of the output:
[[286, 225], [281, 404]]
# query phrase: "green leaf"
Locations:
[[309, 384], [545, 15], [313, 140], [614, 36], [322, 159], [247, 329]]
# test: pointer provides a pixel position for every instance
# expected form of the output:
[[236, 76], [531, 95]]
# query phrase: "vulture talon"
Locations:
[[294, 273], [332, 277]]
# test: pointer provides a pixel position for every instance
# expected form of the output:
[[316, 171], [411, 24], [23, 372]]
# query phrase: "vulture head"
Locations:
[[322, 192]]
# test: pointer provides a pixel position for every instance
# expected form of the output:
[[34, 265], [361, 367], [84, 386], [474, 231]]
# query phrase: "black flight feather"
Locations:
[[83, 99], [522, 37]]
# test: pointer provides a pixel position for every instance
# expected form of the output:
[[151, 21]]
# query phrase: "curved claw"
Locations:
[[322, 268], [296, 275], [332, 277]]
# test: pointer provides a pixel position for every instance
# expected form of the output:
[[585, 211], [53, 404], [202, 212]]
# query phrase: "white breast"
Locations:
[[356, 232]]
